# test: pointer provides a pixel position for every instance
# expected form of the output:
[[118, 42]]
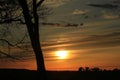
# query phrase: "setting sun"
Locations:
[[62, 54]]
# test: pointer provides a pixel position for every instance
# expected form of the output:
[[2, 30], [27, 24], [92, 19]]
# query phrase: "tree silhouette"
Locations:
[[20, 11]]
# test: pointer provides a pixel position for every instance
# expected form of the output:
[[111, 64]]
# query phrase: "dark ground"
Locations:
[[22, 74]]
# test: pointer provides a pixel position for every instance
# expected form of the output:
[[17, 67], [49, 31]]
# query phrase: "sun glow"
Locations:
[[62, 54]]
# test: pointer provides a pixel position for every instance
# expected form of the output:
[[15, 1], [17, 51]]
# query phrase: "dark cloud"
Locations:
[[109, 6]]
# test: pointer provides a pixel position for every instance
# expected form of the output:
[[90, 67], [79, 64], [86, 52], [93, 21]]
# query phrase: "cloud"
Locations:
[[86, 42], [77, 11], [110, 16], [55, 3]]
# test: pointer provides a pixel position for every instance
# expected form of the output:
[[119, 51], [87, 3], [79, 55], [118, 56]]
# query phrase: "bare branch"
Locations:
[[14, 45], [12, 20], [9, 56], [39, 3], [21, 39], [7, 42]]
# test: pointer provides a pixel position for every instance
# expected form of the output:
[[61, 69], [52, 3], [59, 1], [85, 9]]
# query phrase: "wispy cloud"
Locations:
[[110, 16], [55, 3], [88, 42], [78, 11]]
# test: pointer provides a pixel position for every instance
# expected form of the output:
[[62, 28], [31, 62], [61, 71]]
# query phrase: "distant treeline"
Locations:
[[98, 74], [95, 69]]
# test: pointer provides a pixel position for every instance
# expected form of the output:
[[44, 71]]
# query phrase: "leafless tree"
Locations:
[[28, 12]]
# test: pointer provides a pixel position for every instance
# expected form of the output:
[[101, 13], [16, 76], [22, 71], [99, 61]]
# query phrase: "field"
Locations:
[[22, 74]]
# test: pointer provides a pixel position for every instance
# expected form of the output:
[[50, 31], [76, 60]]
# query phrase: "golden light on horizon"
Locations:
[[62, 54]]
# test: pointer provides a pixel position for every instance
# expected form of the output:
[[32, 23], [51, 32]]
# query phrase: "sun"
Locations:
[[62, 54]]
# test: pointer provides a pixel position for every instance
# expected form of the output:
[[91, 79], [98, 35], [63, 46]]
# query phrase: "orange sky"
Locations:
[[96, 43], [73, 60]]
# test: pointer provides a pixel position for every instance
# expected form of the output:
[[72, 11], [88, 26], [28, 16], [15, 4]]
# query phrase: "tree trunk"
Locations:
[[33, 30]]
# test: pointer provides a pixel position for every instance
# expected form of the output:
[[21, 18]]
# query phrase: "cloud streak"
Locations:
[[110, 16], [55, 3], [77, 11], [91, 41]]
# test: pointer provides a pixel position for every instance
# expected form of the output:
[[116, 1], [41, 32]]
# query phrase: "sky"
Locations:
[[95, 43]]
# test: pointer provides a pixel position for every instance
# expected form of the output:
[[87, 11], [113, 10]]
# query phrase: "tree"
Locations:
[[30, 19]]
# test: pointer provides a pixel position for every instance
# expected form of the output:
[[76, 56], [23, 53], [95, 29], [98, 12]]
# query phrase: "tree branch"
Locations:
[[14, 45], [39, 3], [9, 55], [7, 42], [11, 20]]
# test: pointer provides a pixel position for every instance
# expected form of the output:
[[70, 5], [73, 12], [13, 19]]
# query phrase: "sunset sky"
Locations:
[[95, 43]]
